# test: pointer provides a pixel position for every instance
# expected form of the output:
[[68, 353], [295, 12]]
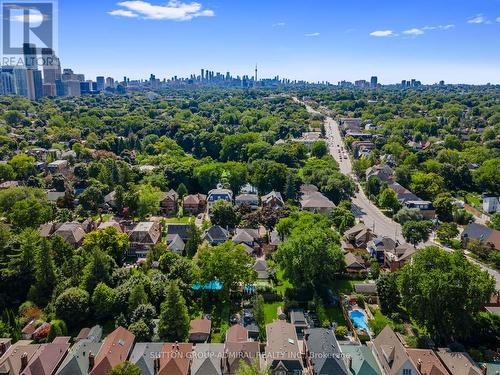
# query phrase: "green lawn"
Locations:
[[473, 199], [335, 315], [176, 220], [271, 311]]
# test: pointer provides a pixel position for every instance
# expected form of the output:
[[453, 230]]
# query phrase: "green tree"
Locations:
[[487, 176], [258, 310], [125, 368], [342, 218], [141, 331], [174, 319], [7, 172], [23, 165], [408, 214], [137, 297], [319, 149], [389, 199], [182, 190], [250, 369], [99, 268], [298, 256], [443, 204], [229, 263], [91, 198], [45, 275], [495, 221], [194, 240], [426, 185], [415, 232], [388, 293], [224, 214], [109, 241], [446, 232], [72, 306], [103, 300], [443, 292], [30, 213], [148, 200]]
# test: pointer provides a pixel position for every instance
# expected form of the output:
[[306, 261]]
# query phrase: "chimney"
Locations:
[[350, 363], [91, 361], [2, 348], [419, 365], [24, 361], [484, 369]]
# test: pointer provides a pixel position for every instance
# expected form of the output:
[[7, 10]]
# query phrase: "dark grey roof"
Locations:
[[181, 229], [476, 231], [77, 360], [215, 234], [325, 352]]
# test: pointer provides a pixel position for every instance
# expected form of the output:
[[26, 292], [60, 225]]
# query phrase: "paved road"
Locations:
[[363, 208]]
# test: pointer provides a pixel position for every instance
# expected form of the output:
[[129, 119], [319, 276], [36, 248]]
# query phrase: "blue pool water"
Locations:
[[359, 319]]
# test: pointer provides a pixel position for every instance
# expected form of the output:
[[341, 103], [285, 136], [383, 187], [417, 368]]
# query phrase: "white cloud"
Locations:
[[123, 13], [498, 19], [479, 19], [312, 34], [382, 33], [33, 17], [279, 24], [174, 10], [439, 27], [413, 32]]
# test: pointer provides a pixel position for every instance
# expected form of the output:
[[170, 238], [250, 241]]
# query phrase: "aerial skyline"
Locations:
[[315, 41]]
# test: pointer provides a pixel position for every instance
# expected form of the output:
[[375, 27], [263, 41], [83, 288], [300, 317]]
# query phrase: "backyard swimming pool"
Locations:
[[358, 317]]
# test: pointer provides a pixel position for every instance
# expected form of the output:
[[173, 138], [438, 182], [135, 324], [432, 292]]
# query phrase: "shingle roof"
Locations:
[[114, 350], [458, 363], [390, 351], [175, 359], [143, 356], [362, 360], [207, 360], [428, 360], [236, 333], [282, 345], [325, 352], [215, 234]]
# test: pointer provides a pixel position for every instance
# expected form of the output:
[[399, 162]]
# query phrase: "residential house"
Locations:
[[114, 350], [481, 233], [17, 357], [250, 200], [110, 223], [194, 204], [169, 203], [175, 359], [215, 235], [58, 166], [262, 270], [391, 354], [324, 355], [247, 236], [176, 244], [360, 360], [72, 233], [427, 362], [238, 347], [283, 356], [144, 356], [237, 351], [426, 208], [87, 345], [236, 333], [317, 203], [207, 359], [200, 330], [143, 237], [458, 363], [182, 230], [47, 359], [298, 319], [379, 246], [382, 171], [403, 193], [272, 200], [359, 235], [218, 194], [398, 257], [354, 263], [491, 204], [350, 124]]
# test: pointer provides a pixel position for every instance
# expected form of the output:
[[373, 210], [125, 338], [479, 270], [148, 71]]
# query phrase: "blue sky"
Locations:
[[454, 40]]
